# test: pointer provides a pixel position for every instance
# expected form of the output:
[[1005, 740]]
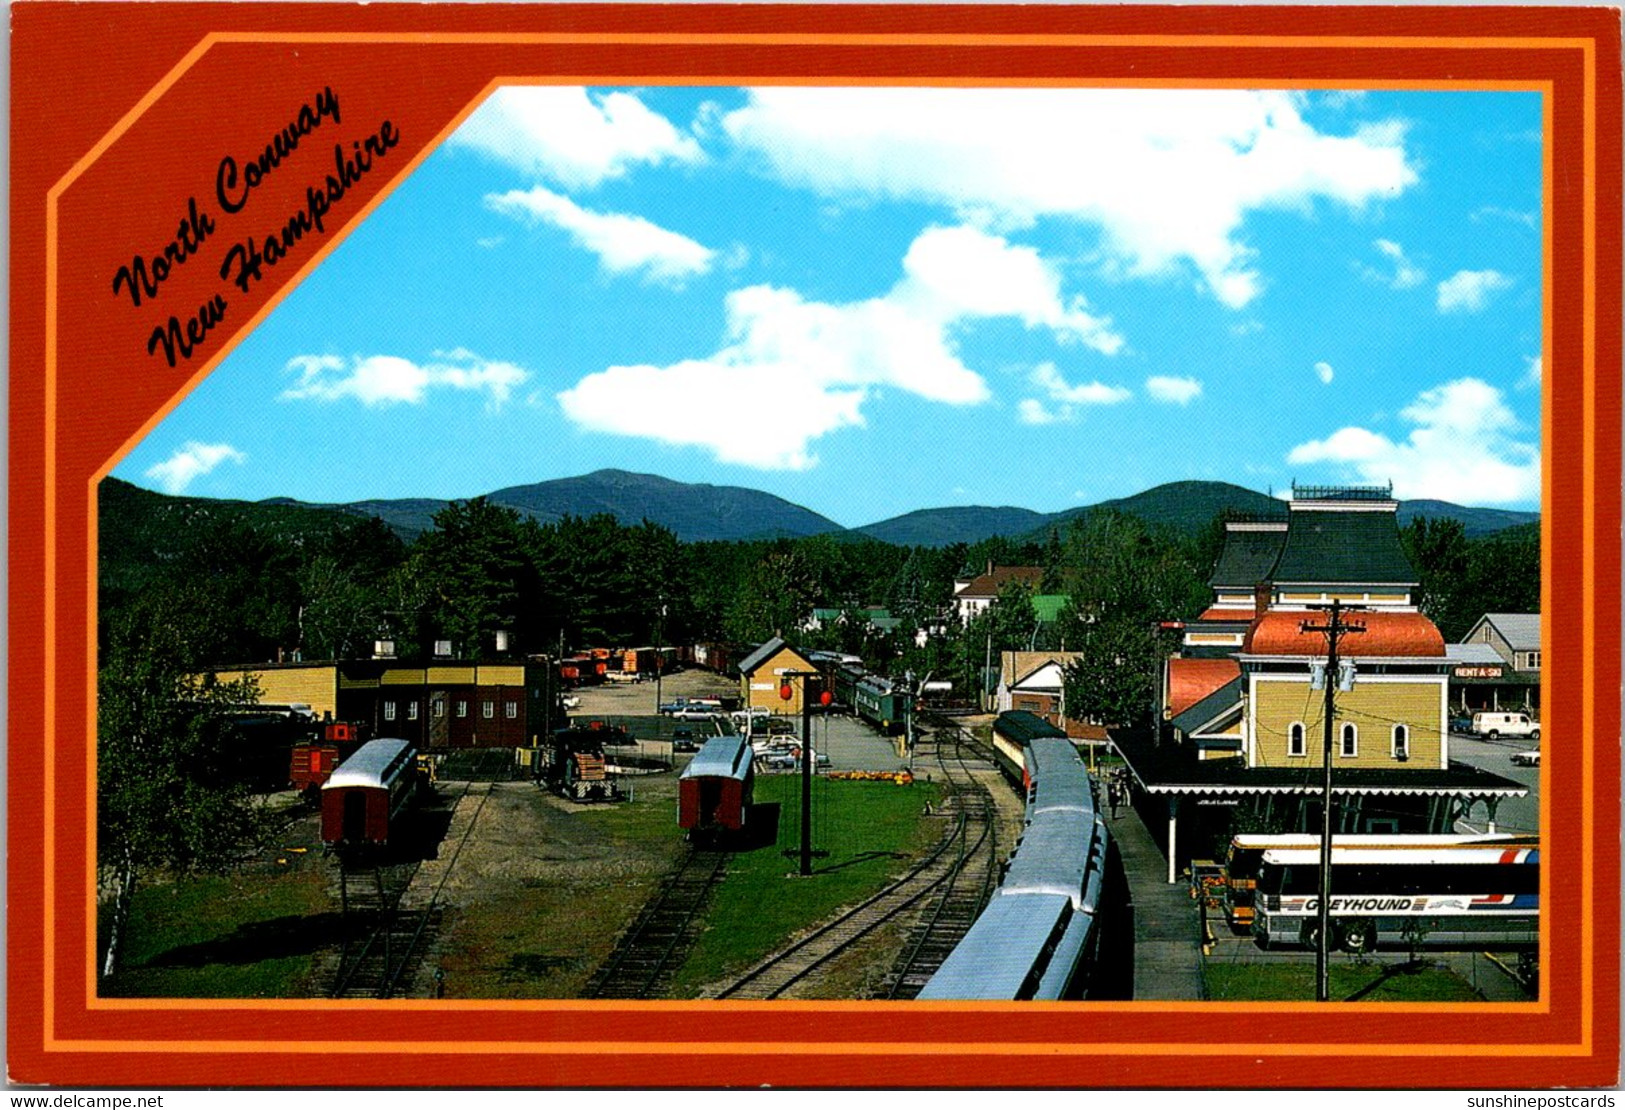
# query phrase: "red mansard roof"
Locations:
[[1409, 635], [1191, 680]]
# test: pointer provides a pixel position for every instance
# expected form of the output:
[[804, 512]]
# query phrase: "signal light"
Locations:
[[785, 691], [824, 698]]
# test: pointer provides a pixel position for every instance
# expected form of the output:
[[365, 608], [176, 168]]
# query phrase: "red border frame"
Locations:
[[107, 170]]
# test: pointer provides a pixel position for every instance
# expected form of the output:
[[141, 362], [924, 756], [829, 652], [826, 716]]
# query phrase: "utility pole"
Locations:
[[1334, 629], [660, 658]]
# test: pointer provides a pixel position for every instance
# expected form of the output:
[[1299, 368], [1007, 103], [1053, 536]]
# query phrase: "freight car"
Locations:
[[364, 797], [714, 791], [1040, 935], [572, 763]]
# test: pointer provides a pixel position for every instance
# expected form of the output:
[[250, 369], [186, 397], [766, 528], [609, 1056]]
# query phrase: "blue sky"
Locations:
[[869, 301]]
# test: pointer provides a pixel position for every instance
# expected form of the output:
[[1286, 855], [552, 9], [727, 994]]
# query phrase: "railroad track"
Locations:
[[969, 845], [384, 941], [651, 951], [956, 904]]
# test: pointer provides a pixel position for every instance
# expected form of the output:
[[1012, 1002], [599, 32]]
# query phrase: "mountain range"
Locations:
[[696, 511]]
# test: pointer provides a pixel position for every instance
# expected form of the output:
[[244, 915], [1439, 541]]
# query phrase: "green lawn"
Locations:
[[231, 936], [1295, 982], [870, 831]]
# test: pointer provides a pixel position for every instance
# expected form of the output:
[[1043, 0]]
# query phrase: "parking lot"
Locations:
[[1514, 815], [850, 744]]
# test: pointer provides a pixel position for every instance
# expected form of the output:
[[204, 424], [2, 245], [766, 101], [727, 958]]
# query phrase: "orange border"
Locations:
[[1587, 46]]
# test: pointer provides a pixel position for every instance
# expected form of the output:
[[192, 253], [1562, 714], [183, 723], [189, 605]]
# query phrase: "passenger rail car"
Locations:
[[362, 799], [876, 700], [715, 790], [1039, 936]]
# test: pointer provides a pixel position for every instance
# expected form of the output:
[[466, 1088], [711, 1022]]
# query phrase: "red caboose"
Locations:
[[314, 761], [362, 798], [714, 790]]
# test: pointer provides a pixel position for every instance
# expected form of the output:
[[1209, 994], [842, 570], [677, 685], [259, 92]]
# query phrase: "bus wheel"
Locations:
[[1311, 935], [1357, 936]]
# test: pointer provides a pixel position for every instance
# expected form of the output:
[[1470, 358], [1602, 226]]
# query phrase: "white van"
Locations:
[[1505, 724]]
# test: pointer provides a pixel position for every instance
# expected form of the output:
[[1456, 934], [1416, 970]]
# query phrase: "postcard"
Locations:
[[814, 546]]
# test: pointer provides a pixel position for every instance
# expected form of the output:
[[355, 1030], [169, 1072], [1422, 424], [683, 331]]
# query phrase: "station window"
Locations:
[[1351, 741], [411, 710], [1294, 739], [513, 710], [462, 709], [389, 711], [488, 709], [1534, 661], [1402, 742], [439, 707]]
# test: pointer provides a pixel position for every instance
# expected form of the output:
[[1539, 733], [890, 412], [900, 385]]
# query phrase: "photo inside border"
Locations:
[[916, 316]]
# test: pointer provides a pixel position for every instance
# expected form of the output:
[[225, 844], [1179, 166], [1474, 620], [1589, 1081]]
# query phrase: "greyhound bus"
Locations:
[[1246, 854], [1480, 897]]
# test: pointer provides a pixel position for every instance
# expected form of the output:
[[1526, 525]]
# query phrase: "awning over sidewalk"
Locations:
[[1169, 771]]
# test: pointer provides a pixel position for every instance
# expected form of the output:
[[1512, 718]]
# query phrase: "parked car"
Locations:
[[790, 759], [682, 740], [1530, 758], [1496, 725], [1461, 721]]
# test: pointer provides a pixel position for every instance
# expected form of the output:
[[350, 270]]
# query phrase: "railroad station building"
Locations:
[[1240, 735], [763, 671], [445, 703]]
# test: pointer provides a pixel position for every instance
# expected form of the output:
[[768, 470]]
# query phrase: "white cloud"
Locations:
[[623, 244], [573, 137], [1406, 274], [1527, 219], [1532, 374], [1032, 411], [192, 461], [1168, 175], [1324, 371], [1067, 397], [793, 370], [1463, 447], [1174, 391], [378, 380], [1470, 290]]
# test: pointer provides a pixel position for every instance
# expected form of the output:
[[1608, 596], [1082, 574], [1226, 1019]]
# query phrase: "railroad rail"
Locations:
[[378, 962], [969, 847], [651, 951], [957, 903]]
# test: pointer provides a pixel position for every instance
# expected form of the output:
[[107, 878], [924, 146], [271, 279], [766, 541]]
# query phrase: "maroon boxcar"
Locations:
[[361, 799], [714, 790]]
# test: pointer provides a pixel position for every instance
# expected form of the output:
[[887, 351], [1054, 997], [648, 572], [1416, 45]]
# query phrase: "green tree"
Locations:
[[1113, 678], [478, 576], [1440, 553], [169, 794]]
